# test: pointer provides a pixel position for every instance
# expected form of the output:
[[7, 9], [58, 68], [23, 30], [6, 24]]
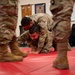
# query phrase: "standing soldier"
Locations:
[[45, 22], [61, 10], [8, 22]]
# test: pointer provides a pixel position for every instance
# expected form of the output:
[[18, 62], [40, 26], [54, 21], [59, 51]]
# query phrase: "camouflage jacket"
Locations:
[[26, 38], [45, 22]]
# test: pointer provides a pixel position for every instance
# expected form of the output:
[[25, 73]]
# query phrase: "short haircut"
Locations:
[[25, 21], [34, 28]]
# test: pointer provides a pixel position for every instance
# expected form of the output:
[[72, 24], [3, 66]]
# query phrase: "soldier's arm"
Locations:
[[41, 42], [49, 41], [23, 37], [67, 7], [42, 21]]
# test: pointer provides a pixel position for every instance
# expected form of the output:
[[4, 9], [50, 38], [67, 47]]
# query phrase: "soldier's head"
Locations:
[[26, 23], [34, 32]]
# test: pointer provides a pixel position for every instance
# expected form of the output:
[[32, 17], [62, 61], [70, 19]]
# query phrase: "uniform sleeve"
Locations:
[[23, 37], [48, 41], [41, 40], [67, 7]]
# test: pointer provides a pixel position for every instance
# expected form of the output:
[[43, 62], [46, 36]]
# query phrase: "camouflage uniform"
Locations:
[[34, 44], [45, 22], [61, 10], [8, 20]]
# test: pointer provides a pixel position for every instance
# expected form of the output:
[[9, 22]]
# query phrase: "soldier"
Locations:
[[8, 22], [61, 10], [31, 37], [45, 22]]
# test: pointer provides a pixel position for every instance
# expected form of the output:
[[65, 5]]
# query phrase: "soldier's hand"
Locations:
[[35, 52]]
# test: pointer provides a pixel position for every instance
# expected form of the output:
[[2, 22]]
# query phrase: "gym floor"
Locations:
[[37, 64]]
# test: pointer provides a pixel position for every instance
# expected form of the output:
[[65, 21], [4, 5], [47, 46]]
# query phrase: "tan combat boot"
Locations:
[[15, 49], [5, 56], [61, 62]]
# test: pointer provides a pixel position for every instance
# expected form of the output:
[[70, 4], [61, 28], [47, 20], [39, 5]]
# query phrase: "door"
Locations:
[[26, 10]]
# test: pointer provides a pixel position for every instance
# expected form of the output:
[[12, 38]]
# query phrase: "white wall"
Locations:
[[25, 2], [73, 16]]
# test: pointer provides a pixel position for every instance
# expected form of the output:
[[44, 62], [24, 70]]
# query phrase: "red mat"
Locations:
[[37, 64]]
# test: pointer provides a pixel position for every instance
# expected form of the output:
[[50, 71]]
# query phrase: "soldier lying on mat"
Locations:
[[32, 36]]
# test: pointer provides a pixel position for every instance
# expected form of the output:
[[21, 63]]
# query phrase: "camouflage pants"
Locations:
[[6, 35], [8, 21], [62, 31]]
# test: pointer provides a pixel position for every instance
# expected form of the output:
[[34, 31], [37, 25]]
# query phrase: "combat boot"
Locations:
[[15, 49], [61, 62], [6, 56]]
